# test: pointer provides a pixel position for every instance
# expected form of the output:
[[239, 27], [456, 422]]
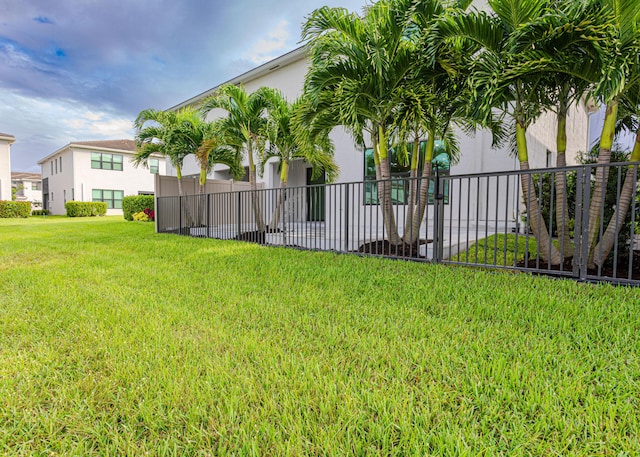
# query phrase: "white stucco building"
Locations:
[[96, 171], [287, 74], [6, 141], [28, 187]]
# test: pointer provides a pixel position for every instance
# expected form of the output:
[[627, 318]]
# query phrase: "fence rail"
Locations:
[[517, 220]]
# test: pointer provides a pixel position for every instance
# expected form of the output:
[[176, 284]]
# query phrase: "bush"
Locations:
[[85, 209], [11, 209], [136, 203], [40, 212]]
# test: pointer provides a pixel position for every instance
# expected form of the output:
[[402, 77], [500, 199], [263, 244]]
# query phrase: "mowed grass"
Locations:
[[118, 341]]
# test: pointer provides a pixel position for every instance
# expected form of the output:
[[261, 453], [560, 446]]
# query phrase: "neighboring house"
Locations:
[[96, 171], [287, 73], [28, 187], [6, 141]]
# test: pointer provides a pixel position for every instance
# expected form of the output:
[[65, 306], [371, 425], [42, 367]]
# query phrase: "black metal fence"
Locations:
[[551, 221]]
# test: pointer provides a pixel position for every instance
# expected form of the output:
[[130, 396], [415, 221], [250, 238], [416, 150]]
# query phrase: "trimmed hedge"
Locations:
[[132, 204], [85, 209], [40, 212], [11, 209]]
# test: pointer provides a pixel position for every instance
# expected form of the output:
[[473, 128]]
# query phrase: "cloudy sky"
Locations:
[[74, 70]]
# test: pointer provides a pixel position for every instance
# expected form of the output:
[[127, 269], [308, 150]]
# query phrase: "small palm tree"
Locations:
[[244, 127], [216, 148], [169, 133], [289, 140]]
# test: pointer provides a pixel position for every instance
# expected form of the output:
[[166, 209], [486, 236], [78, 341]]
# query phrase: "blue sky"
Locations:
[[74, 70]]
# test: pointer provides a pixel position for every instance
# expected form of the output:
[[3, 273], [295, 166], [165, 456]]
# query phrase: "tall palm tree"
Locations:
[[431, 102], [358, 63], [519, 98], [244, 126], [564, 46], [630, 121], [289, 140], [621, 80]]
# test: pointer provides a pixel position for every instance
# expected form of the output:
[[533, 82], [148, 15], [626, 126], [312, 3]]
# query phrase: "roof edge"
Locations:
[[248, 76], [7, 137], [91, 148]]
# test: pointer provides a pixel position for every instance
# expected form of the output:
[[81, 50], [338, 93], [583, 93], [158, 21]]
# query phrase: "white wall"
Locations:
[[77, 180], [26, 191], [5, 169]]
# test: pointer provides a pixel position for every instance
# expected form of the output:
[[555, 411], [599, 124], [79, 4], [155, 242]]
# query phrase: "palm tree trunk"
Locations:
[[562, 207], [284, 176], [602, 249], [548, 252], [423, 195], [201, 199], [187, 212], [602, 175], [413, 190], [257, 208], [384, 189]]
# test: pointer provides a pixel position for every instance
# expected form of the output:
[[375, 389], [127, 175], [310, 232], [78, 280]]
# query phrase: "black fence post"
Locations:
[[208, 203], [581, 227], [346, 218], [438, 219], [180, 214]]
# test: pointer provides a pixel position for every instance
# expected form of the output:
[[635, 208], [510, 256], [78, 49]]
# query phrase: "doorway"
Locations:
[[315, 197]]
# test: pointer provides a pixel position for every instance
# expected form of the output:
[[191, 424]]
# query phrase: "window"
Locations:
[[64, 195], [56, 164], [36, 185], [60, 164], [52, 167], [400, 169], [113, 198], [106, 161], [73, 194], [154, 166]]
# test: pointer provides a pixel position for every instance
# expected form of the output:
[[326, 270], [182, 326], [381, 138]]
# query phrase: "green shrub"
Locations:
[[85, 209], [40, 212], [11, 209], [136, 203]]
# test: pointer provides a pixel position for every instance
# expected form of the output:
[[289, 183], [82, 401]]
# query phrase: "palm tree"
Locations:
[[621, 81], [358, 63], [216, 148], [169, 133], [431, 102], [289, 141], [564, 46], [519, 98], [630, 121], [244, 128]]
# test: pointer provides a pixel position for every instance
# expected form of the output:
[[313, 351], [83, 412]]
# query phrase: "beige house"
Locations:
[[6, 141], [96, 171]]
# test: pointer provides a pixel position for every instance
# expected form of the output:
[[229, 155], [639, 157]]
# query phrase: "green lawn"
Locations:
[[118, 341]]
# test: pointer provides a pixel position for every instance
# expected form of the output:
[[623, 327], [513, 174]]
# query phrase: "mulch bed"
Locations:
[[622, 270], [384, 247]]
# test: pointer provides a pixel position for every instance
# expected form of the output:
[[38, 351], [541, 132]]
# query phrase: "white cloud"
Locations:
[[265, 49]]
